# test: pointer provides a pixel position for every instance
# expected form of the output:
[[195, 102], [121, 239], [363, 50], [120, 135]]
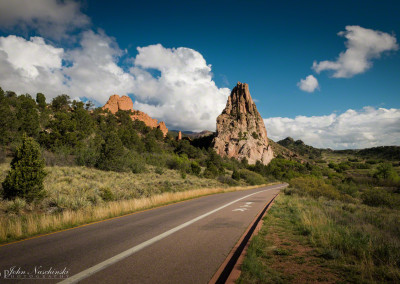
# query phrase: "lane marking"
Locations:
[[240, 209], [124, 215], [102, 265]]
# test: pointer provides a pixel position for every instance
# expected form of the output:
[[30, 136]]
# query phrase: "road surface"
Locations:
[[184, 242]]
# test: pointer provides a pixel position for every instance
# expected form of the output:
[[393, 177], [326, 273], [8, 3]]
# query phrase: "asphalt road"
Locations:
[[184, 242]]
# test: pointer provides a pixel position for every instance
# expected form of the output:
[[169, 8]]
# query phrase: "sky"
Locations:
[[325, 72]]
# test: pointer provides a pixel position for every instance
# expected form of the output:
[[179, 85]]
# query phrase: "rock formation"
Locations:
[[116, 103], [179, 137], [241, 131]]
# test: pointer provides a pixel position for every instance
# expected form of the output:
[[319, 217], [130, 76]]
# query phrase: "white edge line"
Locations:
[[104, 264]]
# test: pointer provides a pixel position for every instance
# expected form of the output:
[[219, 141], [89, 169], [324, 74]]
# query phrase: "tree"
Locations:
[[41, 101], [385, 171], [28, 116], [25, 179], [111, 154], [61, 102]]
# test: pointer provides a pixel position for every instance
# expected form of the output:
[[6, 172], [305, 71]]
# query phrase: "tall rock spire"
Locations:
[[241, 131]]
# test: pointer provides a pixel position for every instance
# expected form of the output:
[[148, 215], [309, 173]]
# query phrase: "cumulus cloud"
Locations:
[[28, 66], [31, 66], [51, 18], [368, 127], [184, 94], [309, 84], [93, 70], [173, 85], [362, 45]]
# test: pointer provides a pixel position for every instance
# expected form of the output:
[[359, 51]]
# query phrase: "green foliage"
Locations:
[[106, 194], [314, 187], [299, 147], [236, 175], [195, 168], [380, 197], [41, 101], [385, 171], [27, 116], [211, 171], [227, 180], [282, 169], [251, 177], [61, 102], [112, 154], [25, 178], [255, 135]]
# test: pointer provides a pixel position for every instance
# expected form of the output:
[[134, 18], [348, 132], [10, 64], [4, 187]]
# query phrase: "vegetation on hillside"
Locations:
[[339, 219]]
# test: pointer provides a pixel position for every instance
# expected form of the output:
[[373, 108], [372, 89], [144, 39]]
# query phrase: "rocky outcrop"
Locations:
[[241, 131], [179, 137], [116, 103]]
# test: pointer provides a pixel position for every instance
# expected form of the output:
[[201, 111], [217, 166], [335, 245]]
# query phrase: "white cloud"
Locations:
[[368, 127], [184, 95], [94, 72], [51, 18], [362, 45], [31, 66], [309, 84]]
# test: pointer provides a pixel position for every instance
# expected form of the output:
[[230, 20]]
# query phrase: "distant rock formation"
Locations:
[[179, 137], [241, 131], [116, 103]]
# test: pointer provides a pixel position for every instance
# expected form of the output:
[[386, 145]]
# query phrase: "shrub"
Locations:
[[196, 169], [376, 197], [111, 154], [314, 187], [252, 178], [106, 194], [25, 179], [159, 170], [227, 180], [211, 171], [236, 175], [2, 155]]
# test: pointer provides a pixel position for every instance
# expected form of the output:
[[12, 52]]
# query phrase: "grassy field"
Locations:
[[342, 226], [79, 195], [304, 239]]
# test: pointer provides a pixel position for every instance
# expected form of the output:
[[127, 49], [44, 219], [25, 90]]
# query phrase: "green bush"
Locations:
[[2, 155], [159, 170], [196, 169], [314, 187], [251, 178], [112, 154], [236, 175], [25, 179], [211, 171], [106, 194], [227, 180], [376, 197]]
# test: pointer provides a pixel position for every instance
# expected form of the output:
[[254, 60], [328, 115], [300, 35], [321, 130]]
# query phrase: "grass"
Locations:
[[79, 195], [312, 240]]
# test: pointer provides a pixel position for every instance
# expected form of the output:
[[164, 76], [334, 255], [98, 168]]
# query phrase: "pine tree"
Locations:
[[25, 179]]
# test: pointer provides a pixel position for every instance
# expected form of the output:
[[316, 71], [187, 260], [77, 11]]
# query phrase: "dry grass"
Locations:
[[79, 195]]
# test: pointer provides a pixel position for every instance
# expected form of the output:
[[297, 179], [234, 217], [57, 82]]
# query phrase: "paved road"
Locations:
[[180, 243]]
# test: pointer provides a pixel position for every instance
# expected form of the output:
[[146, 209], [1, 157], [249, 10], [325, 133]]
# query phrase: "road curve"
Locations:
[[180, 243]]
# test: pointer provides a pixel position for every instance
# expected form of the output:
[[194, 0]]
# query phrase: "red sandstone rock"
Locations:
[[116, 103], [179, 136]]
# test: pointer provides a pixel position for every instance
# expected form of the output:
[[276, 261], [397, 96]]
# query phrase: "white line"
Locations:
[[94, 269]]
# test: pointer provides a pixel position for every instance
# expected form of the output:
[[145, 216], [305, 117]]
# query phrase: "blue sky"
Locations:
[[268, 44], [204, 48]]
